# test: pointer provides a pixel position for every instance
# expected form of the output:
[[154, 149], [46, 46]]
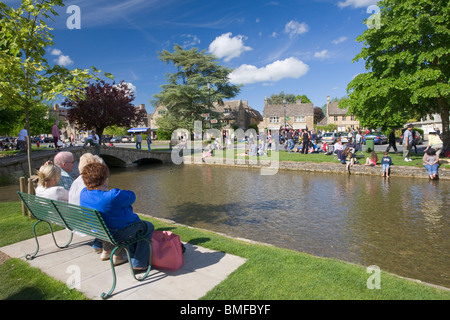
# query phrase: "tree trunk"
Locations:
[[27, 126]]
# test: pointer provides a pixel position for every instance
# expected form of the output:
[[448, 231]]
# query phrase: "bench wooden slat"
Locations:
[[42, 209], [85, 220]]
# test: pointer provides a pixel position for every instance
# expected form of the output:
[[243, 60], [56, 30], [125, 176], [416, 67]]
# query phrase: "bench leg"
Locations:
[[32, 256], [107, 295]]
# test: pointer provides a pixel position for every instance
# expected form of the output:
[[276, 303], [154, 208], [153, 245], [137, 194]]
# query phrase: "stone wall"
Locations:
[[338, 168]]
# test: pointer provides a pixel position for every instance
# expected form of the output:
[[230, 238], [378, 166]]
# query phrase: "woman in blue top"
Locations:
[[115, 208]]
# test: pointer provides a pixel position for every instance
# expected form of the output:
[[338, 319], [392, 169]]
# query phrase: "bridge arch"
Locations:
[[127, 157]]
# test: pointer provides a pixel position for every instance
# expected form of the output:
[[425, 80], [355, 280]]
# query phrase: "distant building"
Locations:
[[293, 116], [232, 115], [339, 117], [433, 121], [236, 114]]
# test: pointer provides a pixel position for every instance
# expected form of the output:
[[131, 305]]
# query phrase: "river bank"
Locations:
[[270, 167]]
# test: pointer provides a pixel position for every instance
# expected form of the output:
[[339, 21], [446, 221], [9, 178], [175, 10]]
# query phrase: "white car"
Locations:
[[330, 137]]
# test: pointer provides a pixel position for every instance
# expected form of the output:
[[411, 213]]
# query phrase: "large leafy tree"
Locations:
[[407, 59], [26, 78], [187, 95], [289, 98], [102, 105]]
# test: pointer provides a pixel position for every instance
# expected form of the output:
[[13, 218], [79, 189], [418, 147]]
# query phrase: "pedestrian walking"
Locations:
[[139, 141], [149, 140], [392, 141], [56, 136]]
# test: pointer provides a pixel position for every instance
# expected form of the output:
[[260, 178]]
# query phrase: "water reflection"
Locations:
[[401, 225]]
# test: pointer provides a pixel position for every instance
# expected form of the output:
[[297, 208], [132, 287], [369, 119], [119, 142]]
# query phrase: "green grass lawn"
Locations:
[[270, 273]]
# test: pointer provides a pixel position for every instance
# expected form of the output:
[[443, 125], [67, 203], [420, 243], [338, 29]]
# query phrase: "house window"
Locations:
[[161, 112], [352, 118], [227, 110], [344, 118], [274, 119], [299, 119], [335, 118]]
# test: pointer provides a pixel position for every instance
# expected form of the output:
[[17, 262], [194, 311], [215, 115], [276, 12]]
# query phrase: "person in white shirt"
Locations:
[[49, 175], [94, 140], [22, 141], [78, 184]]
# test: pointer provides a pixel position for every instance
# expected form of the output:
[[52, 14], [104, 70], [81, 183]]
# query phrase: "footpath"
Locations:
[[81, 268]]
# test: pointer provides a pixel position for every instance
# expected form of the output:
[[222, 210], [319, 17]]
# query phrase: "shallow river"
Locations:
[[401, 225]]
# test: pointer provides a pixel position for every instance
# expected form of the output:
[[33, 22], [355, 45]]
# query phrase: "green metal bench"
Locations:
[[80, 219]]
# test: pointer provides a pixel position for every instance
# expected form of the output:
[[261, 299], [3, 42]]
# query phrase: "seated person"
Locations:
[[351, 144], [349, 157], [115, 206], [338, 145], [49, 176], [372, 161], [325, 147], [431, 163], [208, 152]]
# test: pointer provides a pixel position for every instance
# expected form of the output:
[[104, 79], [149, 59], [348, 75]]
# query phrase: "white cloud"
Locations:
[[321, 54], [356, 3], [130, 86], [55, 52], [288, 68], [228, 47], [341, 39], [295, 28], [61, 59]]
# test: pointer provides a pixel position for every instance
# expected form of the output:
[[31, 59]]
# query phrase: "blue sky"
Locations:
[[299, 47]]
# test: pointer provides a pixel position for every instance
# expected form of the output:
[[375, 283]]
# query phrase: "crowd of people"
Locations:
[[90, 189], [305, 141]]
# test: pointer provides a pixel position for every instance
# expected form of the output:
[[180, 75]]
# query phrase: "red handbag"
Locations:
[[167, 251]]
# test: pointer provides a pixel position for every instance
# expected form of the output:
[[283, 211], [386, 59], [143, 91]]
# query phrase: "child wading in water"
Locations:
[[386, 162]]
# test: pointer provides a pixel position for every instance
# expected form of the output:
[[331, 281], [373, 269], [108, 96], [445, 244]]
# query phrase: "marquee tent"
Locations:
[[138, 130]]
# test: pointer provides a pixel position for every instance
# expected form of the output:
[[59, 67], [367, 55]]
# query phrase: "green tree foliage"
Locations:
[[290, 98], [12, 120], [407, 60], [186, 94], [102, 105], [26, 78]]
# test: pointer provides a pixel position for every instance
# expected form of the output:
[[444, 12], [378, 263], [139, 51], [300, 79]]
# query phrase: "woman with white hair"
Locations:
[[75, 191], [49, 175], [78, 184]]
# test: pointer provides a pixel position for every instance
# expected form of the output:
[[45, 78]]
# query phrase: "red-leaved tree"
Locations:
[[103, 105]]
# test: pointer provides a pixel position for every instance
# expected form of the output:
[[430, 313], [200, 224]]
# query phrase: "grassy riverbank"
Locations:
[[270, 273]]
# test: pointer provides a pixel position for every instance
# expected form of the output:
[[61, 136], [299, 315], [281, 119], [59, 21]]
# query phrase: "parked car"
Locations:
[[127, 139], [106, 138], [48, 139], [344, 137], [378, 137], [116, 139], [330, 137]]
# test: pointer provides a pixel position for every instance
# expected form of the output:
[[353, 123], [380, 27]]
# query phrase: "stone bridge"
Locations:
[[14, 166]]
